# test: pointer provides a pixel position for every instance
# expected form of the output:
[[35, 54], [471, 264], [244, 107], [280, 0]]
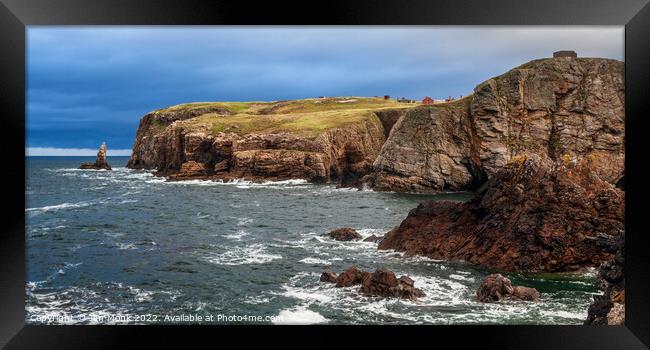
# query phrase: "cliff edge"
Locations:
[[319, 140]]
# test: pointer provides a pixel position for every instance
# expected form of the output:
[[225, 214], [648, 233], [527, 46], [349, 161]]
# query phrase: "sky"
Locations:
[[86, 85]]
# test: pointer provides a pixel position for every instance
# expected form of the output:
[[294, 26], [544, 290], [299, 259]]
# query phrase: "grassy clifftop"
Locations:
[[308, 117]]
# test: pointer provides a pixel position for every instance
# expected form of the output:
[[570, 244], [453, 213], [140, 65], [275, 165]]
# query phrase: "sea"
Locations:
[[127, 247]]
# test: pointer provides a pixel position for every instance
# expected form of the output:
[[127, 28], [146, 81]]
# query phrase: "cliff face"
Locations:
[[558, 107], [269, 142], [429, 150], [532, 215]]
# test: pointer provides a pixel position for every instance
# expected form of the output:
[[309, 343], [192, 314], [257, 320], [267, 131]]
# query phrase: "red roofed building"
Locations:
[[427, 100]]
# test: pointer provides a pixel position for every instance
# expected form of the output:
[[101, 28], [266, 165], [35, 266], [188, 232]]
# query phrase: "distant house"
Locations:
[[565, 53], [427, 100], [386, 97], [405, 100]]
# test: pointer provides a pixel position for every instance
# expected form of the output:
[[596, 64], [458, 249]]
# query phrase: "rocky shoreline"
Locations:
[[542, 145]]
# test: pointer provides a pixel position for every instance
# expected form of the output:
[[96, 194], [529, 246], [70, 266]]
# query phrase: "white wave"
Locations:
[[244, 221], [128, 201], [202, 216], [256, 300], [299, 316], [460, 277], [125, 246], [237, 236], [60, 206], [565, 314], [250, 254], [243, 184], [81, 305], [314, 261]]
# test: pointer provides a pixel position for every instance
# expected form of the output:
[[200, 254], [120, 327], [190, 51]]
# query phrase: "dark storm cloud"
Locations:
[[92, 84]]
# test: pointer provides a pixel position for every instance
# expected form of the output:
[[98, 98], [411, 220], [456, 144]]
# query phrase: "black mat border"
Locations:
[[16, 14]]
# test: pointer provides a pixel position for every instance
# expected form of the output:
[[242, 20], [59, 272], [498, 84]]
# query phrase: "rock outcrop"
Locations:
[[429, 150], [560, 107], [382, 283], [100, 162], [496, 287], [533, 215], [184, 143], [328, 276], [344, 234], [609, 308]]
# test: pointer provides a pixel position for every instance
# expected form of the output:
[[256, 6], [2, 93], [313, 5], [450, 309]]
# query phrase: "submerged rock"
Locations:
[[100, 161], [496, 287], [344, 234], [382, 282]]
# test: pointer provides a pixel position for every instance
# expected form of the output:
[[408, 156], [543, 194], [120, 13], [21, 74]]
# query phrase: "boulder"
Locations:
[[100, 161], [328, 276], [384, 283], [525, 293], [496, 287], [344, 234], [350, 277]]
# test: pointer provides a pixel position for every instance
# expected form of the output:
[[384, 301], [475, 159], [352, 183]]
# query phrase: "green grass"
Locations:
[[307, 118], [304, 124], [295, 106]]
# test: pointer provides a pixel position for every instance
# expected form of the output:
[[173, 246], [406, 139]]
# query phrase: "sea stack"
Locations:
[[100, 162]]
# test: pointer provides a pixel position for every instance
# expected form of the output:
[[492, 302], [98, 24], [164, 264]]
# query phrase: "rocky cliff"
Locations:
[[319, 140], [532, 215], [558, 107]]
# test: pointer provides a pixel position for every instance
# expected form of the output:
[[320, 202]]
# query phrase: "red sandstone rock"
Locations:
[[351, 276], [382, 283], [496, 287], [534, 215], [344, 234]]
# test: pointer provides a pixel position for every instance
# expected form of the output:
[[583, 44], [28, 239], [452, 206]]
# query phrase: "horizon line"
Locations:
[[72, 152]]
